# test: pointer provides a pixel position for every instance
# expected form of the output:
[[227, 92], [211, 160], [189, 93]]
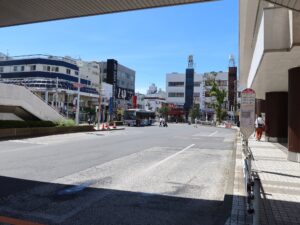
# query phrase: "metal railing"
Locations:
[[252, 183], [54, 108]]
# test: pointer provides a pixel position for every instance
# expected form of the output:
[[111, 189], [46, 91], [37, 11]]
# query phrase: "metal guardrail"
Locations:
[[252, 184], [54, 108]]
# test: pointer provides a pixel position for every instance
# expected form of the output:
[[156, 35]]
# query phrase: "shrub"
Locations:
[[65, 123]]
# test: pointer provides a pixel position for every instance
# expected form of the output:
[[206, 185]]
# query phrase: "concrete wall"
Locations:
[[13, 95], [12, 133]]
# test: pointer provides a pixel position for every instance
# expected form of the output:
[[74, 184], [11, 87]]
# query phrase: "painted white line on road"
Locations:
[[171, 156], [212, 134], [28, 142]]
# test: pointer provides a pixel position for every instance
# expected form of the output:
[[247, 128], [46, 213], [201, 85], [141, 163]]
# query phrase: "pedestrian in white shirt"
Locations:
[[259, 125]]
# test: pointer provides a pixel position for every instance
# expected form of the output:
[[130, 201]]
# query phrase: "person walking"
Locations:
[[259, 125], [196, 122]]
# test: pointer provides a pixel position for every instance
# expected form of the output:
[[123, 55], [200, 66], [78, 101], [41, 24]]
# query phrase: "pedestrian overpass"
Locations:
[[16, 12]]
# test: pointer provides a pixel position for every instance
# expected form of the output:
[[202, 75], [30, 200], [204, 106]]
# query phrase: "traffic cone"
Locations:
[[115, 126]]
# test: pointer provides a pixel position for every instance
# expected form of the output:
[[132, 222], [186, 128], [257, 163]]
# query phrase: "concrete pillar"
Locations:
[[294, 115], [277, 116], [260, 106]]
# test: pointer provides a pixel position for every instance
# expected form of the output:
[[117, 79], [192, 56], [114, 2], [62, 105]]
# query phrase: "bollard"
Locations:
[[256, 202]]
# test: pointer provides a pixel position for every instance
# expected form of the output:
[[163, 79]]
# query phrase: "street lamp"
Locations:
[[80, 64]]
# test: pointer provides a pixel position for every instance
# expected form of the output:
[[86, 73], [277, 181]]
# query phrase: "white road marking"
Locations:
[[205, 135], [171, 156], [28, 142], [212, 134]]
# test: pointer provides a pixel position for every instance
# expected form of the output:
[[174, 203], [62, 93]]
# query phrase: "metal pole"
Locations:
[[100, 99], [78, 99], [256, 201]]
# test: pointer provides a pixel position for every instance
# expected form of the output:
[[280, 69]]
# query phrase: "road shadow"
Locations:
[[51, 203]]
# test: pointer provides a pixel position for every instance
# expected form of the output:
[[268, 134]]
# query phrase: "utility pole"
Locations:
[[78, 99], [100, 96]]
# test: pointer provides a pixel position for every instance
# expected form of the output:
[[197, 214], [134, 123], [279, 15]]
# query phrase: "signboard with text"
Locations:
[[247, 117]]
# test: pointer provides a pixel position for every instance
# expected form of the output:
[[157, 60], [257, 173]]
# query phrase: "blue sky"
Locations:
[[153, 42]]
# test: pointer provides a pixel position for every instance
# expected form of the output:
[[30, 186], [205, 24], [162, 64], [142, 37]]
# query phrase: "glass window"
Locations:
[[22, 68], [68, 71], [197, 84], [76, 73], [56, 69], [15, 68], [33, 68], [176, 84], [1, 69], [176, 94], [196, 94]]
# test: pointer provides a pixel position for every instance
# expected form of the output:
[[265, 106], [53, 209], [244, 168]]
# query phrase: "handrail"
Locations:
[[44, 101]]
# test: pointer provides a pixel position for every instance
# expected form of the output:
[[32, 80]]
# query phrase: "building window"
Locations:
[[47, 68], [33, 68], [197, 94], [1, 69], [176, 94], [15, 68], [76, 73], [22, 68], [55, 69], [207, 94], [197, 84], [68, 71], [176, 84]]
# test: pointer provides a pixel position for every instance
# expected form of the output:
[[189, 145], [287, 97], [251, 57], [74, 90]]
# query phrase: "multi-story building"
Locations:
[[178, 92], [122, 79], [55, 79], [179, 87], [154, 98], [269, 50]]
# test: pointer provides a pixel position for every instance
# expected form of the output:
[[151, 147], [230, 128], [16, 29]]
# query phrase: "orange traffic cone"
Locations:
[[114, 126]]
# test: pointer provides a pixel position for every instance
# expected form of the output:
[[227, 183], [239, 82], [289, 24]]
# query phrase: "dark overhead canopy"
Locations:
[[290, 4], [15, 12]]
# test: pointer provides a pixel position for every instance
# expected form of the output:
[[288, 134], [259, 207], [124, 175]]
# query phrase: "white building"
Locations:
[[269, 50], [176, 88]]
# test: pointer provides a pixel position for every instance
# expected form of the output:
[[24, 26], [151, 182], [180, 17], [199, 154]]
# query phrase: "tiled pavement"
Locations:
[[280, 180]]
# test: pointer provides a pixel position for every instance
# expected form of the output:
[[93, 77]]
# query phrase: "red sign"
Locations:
[[134, 101], [78, 85]]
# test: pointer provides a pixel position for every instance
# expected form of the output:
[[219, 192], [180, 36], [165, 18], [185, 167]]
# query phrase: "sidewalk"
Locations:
[[280, 180]]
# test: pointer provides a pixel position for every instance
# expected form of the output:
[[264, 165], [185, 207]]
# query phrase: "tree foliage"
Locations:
[[194, 112], [164, 111], [219, 101]]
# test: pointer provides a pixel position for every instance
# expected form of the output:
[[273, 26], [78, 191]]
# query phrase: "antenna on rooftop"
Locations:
[[190, 62], [231, 61]]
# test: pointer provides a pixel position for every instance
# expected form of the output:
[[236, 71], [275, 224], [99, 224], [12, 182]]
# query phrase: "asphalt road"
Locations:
[[140, 176]]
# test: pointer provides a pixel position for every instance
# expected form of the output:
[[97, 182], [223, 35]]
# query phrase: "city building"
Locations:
[[154, 99], [122, 80], [140, 100], [177, 93], [185, 90], [269, 49], [56, 80]]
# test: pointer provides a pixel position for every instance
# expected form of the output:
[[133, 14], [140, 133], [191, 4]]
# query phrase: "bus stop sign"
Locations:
[[247, 112]]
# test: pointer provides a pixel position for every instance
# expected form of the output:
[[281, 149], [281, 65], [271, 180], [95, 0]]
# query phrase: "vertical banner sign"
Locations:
[[111, 106], [247, 112], [134, 101]]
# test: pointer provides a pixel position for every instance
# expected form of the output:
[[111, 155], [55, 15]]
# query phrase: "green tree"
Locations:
[[218, 104], [164, 111], [194, 112]]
